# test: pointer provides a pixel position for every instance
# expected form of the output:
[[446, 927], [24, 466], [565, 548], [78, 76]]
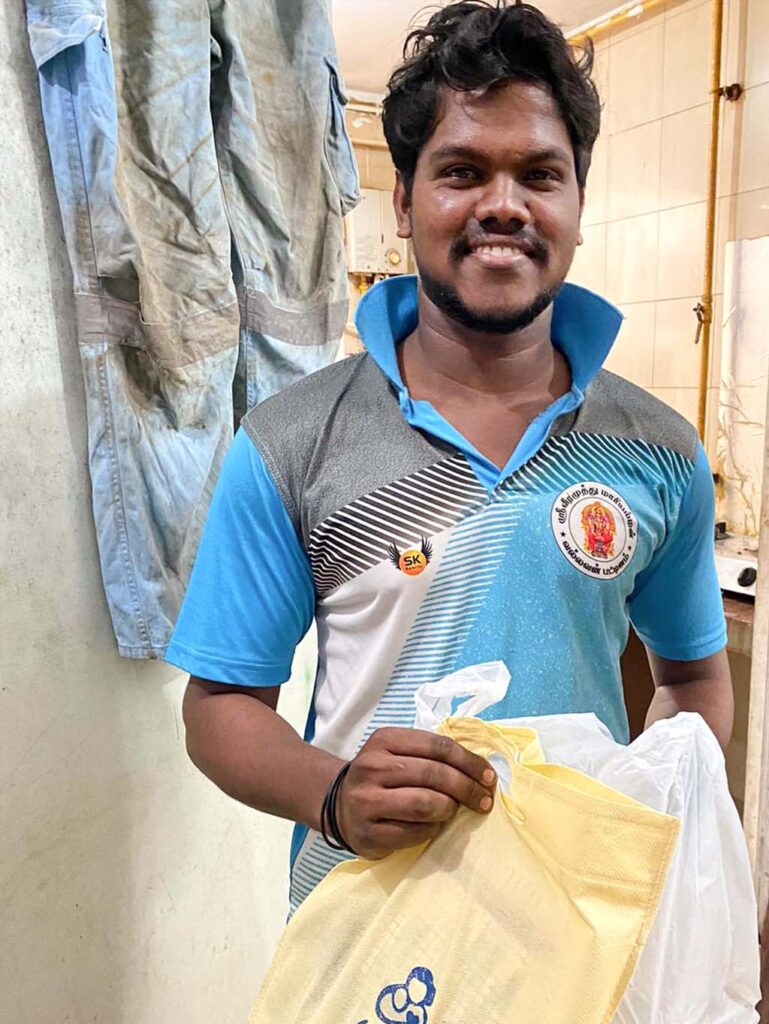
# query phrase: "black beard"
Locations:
[[448, 301]]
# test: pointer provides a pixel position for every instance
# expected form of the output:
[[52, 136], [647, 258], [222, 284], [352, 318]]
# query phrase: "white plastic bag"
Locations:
[[700, 964], [483, 684]]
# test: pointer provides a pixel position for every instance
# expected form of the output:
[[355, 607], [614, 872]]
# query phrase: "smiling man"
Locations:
[[474, 487]]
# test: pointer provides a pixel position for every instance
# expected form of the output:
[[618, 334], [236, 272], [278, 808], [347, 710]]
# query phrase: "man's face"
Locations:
[[495, 207]]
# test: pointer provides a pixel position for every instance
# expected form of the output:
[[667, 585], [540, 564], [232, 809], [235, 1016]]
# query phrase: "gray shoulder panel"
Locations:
[[618, 408], [334, 436]]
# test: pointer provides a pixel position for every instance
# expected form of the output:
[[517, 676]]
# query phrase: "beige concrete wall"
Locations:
[[131, 890], [644, 223]]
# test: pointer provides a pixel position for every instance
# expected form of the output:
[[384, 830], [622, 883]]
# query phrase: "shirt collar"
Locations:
[[584, 328]]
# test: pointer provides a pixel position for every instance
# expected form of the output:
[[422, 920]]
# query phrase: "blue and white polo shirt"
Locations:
[[345, 500]]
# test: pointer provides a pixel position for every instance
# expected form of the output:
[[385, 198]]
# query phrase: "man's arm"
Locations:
[[677, 611], [402, 786], [704, 686], [237, 739]]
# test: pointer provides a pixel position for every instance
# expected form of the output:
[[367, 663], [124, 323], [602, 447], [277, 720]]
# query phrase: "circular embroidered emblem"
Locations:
[[595, 529]]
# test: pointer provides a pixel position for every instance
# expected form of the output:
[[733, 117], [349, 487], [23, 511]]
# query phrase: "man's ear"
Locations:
[[402, 206], [580, 239]]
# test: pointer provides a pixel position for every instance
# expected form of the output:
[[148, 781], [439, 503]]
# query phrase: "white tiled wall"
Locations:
[[644, 221]]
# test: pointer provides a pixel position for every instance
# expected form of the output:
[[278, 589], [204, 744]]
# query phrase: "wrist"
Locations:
[[319, 778], [331, 829]]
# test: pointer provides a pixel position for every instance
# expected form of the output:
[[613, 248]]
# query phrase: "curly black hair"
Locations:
[[477, 44]]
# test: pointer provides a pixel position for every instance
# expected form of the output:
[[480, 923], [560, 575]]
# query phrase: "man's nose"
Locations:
[[504, 202]]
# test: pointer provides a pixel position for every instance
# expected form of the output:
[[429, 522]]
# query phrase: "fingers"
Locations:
[[417, 806], [404, 786], [434, 747], [385, 837], [418, 773]]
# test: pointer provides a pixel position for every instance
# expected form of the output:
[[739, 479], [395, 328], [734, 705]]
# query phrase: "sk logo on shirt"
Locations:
[[412, 561]]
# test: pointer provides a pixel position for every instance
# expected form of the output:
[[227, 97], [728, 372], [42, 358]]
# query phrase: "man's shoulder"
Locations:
[[296, 419], [334, 436], [616, 407], [295, 407]]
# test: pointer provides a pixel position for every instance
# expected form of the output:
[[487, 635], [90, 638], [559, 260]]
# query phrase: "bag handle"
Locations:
[[484, 685]]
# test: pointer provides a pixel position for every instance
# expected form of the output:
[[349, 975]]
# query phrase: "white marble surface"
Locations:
[[742, 396]]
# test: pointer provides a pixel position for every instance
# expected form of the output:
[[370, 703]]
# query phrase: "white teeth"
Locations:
[[497, 250]]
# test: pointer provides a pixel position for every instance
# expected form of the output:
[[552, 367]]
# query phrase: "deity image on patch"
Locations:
[[599, 528]]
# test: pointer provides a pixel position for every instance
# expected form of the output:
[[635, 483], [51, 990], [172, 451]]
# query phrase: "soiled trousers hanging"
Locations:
[[203, 169]]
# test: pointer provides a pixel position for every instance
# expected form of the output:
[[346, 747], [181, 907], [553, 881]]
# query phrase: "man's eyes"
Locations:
[[463, 173], [543, 174], [546, 175]]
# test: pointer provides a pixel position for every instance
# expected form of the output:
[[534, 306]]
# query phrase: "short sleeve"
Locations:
[[250, 598], [676, 606]]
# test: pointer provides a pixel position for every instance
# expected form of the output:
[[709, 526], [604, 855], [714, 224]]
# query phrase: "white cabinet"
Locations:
[[373, 246]]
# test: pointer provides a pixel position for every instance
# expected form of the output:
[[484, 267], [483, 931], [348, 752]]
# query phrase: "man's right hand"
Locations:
[[404, 786]]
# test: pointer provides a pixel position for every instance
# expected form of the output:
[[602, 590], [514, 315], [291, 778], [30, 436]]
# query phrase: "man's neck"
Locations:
[[442, 356]]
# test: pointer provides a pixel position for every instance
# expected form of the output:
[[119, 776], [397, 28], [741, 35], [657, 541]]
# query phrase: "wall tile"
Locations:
[[595, 191], [757, 44], [744, 149], [601, 79], [683, 171], [634, 60], [631, 259], [632, 355], [729, 147], [363, 125], [681, 251], [675, 9], [746, 30], [381, 173], [745, 215], [735, 27], [634, 171], [686, 68], [726, 219], [676, 357], [746, 290], [633, 26], [754, 141], [589, 266], [361, 157], [752, 213]]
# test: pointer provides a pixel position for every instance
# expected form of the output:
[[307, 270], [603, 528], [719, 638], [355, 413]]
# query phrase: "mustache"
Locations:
[[527, 242]]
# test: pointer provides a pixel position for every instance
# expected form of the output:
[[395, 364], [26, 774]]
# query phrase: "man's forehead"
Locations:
[[521, 112]]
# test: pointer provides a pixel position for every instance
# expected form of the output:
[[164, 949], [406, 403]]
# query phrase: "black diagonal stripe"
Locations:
[[358, 536]]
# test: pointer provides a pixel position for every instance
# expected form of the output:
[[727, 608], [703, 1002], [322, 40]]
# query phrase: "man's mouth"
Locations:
[[501, 253], [496, 255]]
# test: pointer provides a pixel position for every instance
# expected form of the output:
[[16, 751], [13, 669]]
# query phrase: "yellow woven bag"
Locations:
[[533, 914]]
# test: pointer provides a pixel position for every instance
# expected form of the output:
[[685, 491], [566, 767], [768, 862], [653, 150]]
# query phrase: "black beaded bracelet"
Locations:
[[328, 819]]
